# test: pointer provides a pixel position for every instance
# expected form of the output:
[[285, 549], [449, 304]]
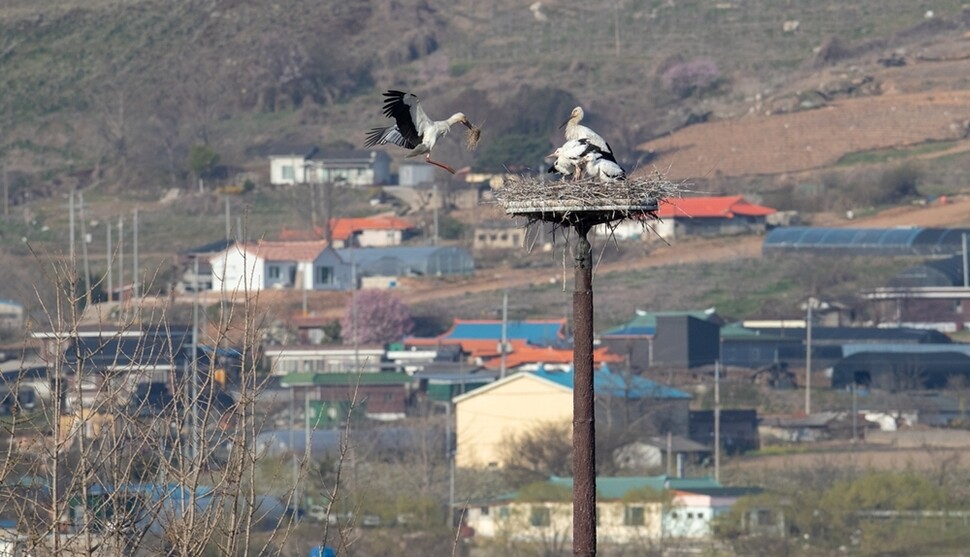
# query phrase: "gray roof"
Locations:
[[306, 151]]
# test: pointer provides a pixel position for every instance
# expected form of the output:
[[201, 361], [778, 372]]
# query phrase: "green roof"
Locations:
[[645, 322], [617, 487], [332, 379]]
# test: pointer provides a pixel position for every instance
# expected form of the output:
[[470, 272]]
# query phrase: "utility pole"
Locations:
[[353, 305], [109, 259], [717, 420], [135, 286], [121, 258], [194, 386], [84, 250], [6, 191], [434, 201], [966, 276], [70, 209], [808, 357], [505, 324]]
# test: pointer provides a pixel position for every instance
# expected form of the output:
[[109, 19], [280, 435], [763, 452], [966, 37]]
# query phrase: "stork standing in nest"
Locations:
[[569, 157], [575, 130], [413, 129]]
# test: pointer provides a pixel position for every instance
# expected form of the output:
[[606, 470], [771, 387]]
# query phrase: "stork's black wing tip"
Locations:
[[373, 136]]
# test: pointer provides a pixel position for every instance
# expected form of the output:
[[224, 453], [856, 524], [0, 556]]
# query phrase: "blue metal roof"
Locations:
[[606, 383], [866, 241], [540, 333]]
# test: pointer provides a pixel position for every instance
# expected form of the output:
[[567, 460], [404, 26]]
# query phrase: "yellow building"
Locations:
[[487, 417]]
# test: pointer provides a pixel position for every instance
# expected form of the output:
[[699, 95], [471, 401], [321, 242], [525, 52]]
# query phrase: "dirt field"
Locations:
[[812, 139]]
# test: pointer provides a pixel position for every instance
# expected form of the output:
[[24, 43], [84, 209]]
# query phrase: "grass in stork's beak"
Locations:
[[474, 134]]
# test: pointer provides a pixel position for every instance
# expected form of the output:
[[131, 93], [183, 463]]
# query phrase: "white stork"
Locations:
[[569, 157], [412, 128], [575, 130], [597, 164]]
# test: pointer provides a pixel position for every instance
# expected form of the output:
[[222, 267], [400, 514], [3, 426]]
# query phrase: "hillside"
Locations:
[[117, 91]]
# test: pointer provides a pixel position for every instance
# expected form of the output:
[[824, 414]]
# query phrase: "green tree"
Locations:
[[202, 161]]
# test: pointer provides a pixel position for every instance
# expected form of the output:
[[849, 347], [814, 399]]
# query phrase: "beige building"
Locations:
[[487, 416]]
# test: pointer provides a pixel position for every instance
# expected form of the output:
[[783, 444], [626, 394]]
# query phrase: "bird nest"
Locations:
[[585, 201]]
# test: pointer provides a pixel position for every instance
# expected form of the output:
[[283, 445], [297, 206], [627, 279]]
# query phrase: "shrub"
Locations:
[[694, 76]]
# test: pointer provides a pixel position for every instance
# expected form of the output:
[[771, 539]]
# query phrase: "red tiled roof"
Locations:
[[343, 227], [708, 207], [287, 251], [528, 354]]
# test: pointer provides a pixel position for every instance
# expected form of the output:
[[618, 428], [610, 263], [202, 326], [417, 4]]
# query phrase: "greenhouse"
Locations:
[[865, 241]]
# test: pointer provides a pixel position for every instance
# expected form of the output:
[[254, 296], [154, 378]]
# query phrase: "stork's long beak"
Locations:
[[563, 125], [467, 124]]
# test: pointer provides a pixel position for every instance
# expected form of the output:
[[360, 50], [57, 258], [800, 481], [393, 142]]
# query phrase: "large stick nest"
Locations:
[[587, 199]]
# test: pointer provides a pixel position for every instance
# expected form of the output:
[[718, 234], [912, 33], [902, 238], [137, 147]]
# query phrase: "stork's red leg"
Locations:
[[444, 166]]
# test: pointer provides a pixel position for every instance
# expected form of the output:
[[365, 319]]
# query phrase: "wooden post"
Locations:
[[584, 424]]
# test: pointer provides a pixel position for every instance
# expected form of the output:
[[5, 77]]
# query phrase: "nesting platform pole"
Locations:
[[582, 216], [584, 421]]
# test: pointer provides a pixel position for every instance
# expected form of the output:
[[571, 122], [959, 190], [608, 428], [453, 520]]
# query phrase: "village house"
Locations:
[[283, 360], [308, 164], [365, 232], [710, 216], [638, 510], [383, 396], [311, 265], [487, 417]]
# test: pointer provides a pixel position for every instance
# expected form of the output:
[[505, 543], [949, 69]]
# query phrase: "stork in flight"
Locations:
[[575, 130], [412, 128]]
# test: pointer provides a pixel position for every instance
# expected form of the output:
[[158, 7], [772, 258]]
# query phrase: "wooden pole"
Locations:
[[584, 425]]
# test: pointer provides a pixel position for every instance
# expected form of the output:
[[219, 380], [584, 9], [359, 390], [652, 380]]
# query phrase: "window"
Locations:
[[690, 516], [540, 517], [274, 271], [481, 237], [288, 172], [763, 518], [323, 275], [633, 516], [484, 511]]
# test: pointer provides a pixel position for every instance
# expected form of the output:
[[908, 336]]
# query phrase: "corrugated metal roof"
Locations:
[[332, 379], [645, 322], [617, 487], [537, 332], [606, 383]]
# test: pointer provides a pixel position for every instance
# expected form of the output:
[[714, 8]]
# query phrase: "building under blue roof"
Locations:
[[610, 384], [865, 241]]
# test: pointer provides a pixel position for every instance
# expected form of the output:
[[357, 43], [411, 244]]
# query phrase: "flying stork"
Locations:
[[412, 128], [569, 157], [575, 130]]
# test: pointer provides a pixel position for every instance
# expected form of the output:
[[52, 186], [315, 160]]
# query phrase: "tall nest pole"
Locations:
[[581, 205]]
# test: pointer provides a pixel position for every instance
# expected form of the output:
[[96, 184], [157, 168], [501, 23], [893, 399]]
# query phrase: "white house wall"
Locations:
[[379, 238], [237, 270], [276, 165]]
